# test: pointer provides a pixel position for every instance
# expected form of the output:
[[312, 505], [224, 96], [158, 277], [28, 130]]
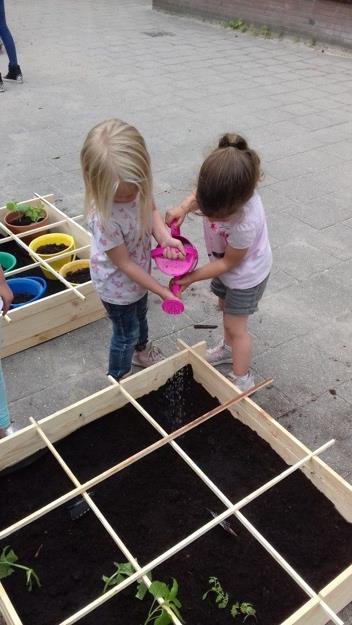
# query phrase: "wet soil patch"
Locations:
[[51, 248], [158, 501], [78, 277]]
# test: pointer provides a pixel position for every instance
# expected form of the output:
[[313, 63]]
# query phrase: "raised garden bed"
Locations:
[[145, 504], [62, 309]]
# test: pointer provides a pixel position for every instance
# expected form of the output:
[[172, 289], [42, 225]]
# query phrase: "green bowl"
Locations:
[[7, 261]]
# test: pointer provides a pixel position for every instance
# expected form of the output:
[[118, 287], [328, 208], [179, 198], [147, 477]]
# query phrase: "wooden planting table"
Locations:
[[165, 470], [64, 307]]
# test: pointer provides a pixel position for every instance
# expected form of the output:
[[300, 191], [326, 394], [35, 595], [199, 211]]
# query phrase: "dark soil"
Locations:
[[79, 276], [22, 298], [25, 221], [158, 501], [51, 248]]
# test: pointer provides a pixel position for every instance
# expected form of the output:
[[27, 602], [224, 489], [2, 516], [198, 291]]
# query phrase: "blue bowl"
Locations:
[[33, 285]]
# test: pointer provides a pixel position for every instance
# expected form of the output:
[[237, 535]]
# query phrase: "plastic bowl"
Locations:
[[48, 239], [33, 285], [7, 261], [74, 265]]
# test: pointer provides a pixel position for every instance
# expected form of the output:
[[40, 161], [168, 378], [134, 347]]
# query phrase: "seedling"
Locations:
[[8, 564], [238, 24], [124, 570], [221, 597], [158, 613], [222, 601], [32, 212]]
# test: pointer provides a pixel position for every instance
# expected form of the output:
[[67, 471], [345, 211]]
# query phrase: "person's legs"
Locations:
[[6, 37], [146, 354], [240, 342], [125, 335], [4, 411]]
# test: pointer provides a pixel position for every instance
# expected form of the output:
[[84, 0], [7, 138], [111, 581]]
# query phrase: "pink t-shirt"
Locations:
[[247, 230], [111, 284]]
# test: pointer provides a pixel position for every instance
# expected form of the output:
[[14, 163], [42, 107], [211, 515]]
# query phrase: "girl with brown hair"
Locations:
[[236, 238]]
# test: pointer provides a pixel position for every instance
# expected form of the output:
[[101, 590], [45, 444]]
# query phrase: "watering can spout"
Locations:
[[175, 229]]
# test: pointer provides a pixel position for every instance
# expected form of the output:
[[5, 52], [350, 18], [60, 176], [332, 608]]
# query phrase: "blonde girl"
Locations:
[[237, 243], [122, 217]]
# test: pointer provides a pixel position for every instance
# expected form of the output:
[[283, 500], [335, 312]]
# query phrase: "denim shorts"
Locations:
[[239, 301]]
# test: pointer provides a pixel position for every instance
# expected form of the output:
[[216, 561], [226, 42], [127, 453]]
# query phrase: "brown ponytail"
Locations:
[[228, 177]]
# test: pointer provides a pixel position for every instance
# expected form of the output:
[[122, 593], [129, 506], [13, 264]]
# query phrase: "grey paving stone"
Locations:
[[300, 259], [327, 210]]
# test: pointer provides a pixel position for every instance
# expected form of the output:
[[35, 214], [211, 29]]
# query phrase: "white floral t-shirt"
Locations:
[[111, 284], [245, 231]]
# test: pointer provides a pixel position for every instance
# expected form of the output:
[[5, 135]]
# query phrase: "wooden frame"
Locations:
[[51, 316], [319, 608]]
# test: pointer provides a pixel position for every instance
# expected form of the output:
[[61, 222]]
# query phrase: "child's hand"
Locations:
[[6, 296], [176, 214], [184, 282], [173, 248], [166, 294]]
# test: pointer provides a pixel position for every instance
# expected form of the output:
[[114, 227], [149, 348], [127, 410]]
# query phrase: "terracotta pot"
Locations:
[[11, 217]]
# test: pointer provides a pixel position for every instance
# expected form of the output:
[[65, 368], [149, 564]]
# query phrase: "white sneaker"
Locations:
[[243, 382], [11, 429], [149, 356], [220, 354]]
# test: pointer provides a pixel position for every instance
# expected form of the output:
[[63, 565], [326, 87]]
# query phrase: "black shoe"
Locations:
[[14, 74], [2, 86]]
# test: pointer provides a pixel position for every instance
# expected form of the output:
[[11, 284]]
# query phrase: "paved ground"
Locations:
[[184, 82]]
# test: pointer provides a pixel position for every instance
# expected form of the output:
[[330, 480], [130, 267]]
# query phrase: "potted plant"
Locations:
[[23, 217]]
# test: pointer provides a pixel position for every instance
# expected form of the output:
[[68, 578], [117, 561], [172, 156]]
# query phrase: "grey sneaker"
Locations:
[[2, 86], [219, 355], [243, 382], [149, 356]]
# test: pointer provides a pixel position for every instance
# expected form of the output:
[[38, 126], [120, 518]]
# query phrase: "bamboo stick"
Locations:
[[100, 516], [44, 199], [50, 260], [178, 547], [44, 263], [20, 235], [125, 463]]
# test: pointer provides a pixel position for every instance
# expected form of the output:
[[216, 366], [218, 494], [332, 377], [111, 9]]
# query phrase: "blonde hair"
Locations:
[[114, 151], [228, 177]]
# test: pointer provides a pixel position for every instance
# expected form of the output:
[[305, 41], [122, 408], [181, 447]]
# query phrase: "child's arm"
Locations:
[[231, 259], [120, 257], [178, 214], [5, 293], [174, 247]]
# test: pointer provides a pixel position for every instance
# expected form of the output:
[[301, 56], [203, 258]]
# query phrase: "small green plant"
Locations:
[[157, 613], [8, 564], [238, 24], [221, 597], [265, 32], [243, 608], [124, 570], [33, 213]]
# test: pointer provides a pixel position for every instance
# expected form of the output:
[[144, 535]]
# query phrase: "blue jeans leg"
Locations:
[[125, 334], [142, 308], [6, 36], [4, 411]]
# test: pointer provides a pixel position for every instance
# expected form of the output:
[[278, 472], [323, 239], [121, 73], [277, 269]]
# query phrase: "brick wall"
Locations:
[[324, 20]]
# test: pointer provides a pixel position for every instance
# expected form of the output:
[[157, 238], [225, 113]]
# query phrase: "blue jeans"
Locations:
[[6, 36], [130, 332], [4, 411]]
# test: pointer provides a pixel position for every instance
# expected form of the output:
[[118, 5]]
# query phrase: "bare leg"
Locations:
[[240, 341]]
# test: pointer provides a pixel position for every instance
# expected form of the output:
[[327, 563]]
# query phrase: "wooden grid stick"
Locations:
[[48, 226], [68, 218], [125, 463], [187, 541], [50, 260], [43, 262], [203, 476], [99, 514]]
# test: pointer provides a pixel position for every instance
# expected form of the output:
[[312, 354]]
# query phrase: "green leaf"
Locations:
[[7, 558], [163, 619], [125, 568], [142, 590], [235, 609], [222, 600], [174, 590], [159, 589]]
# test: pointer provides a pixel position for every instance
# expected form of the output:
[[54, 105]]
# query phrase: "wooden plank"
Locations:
[[285, 444], [6, 608], [337, 594]]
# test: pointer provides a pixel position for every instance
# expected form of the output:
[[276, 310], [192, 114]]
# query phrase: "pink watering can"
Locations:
[[176, 268]]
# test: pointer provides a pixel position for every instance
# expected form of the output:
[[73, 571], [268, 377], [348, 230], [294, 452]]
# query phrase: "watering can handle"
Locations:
[[175, 229]]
